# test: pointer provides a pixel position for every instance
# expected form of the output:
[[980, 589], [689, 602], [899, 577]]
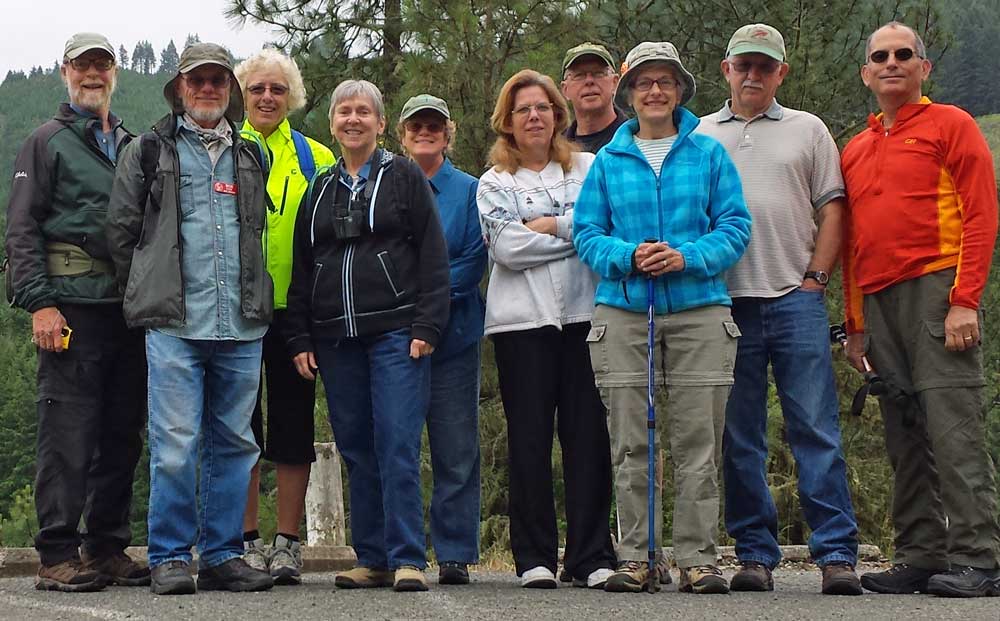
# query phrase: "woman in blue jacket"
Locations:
[[427, 132], [658, 180]]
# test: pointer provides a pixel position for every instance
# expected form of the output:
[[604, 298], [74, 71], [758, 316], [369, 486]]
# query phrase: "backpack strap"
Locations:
[[307, 163]]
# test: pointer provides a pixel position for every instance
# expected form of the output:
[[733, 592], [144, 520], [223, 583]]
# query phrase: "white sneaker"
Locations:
[[538, 578], [597, 578]]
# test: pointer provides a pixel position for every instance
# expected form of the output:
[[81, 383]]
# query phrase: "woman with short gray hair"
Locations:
[[367, 306]]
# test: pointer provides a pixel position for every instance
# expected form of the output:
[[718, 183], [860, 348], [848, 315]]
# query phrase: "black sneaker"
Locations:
[[966, 582], [234, 575], [900, 579], [565, 576], [752, 576], [451, 572], [171, 578]]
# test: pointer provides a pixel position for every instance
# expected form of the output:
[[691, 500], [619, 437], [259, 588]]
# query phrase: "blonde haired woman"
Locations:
[[538, 310]]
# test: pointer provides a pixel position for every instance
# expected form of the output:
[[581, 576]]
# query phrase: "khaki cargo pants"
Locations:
[[694, 354]]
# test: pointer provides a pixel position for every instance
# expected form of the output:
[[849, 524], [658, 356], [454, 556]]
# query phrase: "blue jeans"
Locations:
[[201, 449], [790, 332], [378, 396], [453, 432]]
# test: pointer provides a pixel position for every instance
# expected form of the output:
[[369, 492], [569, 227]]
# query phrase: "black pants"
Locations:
[[290, 402], [543, 371], [91, 409]]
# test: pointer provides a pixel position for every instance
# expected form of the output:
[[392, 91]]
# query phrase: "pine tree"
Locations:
[[122, 57], [169, 60]]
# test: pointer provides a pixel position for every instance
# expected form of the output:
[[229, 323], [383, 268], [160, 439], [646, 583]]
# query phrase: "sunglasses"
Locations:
[[433, 127], [83, 64], [276, 89], [763, 68], [582, 76], [903, 54], [197, 81]]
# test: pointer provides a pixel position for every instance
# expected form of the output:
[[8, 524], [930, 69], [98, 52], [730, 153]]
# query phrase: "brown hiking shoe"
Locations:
[[702, 579], [409, 578], [630, 577], [364, 578], [119, 568], [69, 576], [840, 579], [752, 576]]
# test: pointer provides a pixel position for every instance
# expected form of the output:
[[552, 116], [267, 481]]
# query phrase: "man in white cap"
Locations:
[[790, 169], [91, 368], [589, 82], [185, 224]]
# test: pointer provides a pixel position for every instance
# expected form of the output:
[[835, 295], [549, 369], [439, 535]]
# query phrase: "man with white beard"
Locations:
[[91, 367], [185, 223]]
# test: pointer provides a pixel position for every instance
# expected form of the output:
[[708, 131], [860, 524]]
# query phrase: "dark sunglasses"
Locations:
[[83, 64], [197, 81], [276, 89], [903, 54], [764, 68], [415, 126]]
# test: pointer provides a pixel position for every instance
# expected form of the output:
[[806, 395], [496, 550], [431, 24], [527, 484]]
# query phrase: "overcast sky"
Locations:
[[35, 31]]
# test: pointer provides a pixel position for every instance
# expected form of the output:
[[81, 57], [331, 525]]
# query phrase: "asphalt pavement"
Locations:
[[490, 596]]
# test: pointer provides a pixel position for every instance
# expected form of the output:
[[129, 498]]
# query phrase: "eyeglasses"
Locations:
[[101, 64], [197, 81], [278, 90], [903, 54], [433, 127], [583, 76], [645, 84], [766, 67], [541, 108]]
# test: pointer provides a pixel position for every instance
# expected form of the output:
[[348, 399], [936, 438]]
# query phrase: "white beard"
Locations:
[[91, 99], [208, 115]]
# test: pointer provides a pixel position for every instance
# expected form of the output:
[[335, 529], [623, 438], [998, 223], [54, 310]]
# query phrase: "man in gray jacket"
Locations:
[[184, 226]]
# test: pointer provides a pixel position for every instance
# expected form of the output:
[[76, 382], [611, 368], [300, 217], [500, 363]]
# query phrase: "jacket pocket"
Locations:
[[186, 195], [326, 298], [389, 269]]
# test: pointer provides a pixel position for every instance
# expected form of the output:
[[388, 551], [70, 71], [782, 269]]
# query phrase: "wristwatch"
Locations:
[[819, 276]]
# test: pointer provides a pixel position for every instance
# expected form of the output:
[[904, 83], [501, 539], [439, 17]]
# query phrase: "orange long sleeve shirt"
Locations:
[[921, 197]]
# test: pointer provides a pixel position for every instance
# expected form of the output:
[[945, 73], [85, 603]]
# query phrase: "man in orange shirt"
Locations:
[[922, 221]]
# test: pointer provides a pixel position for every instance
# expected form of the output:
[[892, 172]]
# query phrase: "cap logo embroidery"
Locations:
[[759, 33]]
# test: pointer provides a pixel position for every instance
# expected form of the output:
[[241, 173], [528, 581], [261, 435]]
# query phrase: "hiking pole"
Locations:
[[874, 385], [650, 430]]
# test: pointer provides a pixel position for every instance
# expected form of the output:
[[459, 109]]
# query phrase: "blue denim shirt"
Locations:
[[105, 140], [210, 246], [455, 192]]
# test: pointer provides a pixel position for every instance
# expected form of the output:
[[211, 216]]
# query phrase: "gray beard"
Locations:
[[212, 115], [94, 101]]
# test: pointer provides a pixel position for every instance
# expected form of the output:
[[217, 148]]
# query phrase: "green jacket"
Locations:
[[144, 233], [62, 183], [286, 185]]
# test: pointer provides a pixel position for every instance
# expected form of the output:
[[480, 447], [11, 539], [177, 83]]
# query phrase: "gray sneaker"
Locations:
[[255, 554], [286, 561]]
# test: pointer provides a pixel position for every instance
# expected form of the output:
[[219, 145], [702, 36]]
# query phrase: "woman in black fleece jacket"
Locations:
[[366, 306]]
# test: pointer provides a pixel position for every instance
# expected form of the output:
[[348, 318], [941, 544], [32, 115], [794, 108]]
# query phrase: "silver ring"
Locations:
[[968, 338], [664, 263]]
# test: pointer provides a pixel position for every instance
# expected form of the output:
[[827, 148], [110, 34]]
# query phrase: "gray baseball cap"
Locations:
[[195, 56], [587, 49], [649, 51], [424, 102], [84, 42], [757, 38]]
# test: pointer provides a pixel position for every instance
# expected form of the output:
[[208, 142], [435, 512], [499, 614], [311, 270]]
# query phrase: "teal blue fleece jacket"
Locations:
[[696, 205]]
